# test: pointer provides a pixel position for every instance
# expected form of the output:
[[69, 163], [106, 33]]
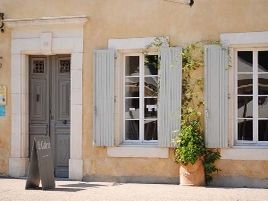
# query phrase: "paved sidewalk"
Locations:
[[13, 190]]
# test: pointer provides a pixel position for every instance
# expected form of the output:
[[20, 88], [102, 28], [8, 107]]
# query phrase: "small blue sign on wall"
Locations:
[[2, 110]]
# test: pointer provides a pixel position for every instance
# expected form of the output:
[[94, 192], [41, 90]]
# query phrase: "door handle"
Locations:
[[47, 132], [37, 97]]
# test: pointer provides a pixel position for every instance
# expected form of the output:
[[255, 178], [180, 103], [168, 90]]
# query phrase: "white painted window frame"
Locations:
[[141, 97], [123, 46], [233, 41], [255, 96]]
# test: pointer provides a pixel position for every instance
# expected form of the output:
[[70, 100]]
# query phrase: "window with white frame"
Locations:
[[252, 96], [140, 97]]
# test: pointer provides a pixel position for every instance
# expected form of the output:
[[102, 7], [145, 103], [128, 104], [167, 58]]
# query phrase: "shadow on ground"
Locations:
[[67, 189], [83, 185]]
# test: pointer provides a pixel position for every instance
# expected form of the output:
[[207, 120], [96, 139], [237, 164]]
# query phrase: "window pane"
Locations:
[[245, 60], [132, 65], [263, 130], [245, 106], [132, 108], [263, 84], [150, 107], [150, 86], [263, 106], [150, 64], [245, 84], [245, 129], [132, 130], [263, 61], [132, 87], [150, 130]]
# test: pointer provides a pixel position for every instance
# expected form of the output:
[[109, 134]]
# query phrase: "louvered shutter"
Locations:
[[104, 64], [216, 96], [169, 95]]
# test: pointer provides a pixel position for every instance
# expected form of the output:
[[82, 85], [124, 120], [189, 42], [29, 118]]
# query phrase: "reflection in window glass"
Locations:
[[150, 130], [132, 108], [150, 86], [252, 95], [263, 106], [245, 129], [132, 87], [263, 130], [263, 61], [263, 84], [132, 66], [245, 82], [245, 61], [151, 64], [245, 106], [141, 92], [132, 130], [150, 107]]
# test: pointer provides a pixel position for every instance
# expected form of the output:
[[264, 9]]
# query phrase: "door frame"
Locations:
[[44, 36]]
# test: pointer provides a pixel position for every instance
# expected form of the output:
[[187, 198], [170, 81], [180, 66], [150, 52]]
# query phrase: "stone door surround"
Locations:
[[44, 36]]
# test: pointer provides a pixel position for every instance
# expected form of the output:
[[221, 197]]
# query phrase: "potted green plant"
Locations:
[[190, 150]]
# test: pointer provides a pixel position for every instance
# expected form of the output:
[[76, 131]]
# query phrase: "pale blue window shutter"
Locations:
[[169, 95], [216, 96], [104, 64]]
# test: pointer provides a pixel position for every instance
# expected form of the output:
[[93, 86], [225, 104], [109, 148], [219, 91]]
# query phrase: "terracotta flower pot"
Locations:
[[192, 175]]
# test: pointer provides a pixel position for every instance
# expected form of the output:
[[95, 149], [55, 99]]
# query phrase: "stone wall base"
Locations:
[[132, 179], [239, 181], [18, 167], [76, 169]]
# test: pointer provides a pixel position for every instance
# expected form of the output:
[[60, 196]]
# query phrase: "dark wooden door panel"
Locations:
[[50, 106], [39, 100]]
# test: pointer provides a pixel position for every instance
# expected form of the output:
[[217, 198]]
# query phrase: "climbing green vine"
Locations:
[[192, 141], [189, 140]]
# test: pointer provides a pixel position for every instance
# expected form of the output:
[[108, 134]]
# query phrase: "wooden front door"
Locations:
[[49, 105]]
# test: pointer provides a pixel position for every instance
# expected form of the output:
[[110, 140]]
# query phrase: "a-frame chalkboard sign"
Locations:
[[41, 165]]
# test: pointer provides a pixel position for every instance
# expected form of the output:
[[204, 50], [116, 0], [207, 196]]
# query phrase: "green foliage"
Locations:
[[190, 144], [157, 43], [192, 59], [190, 139], [210, 157]]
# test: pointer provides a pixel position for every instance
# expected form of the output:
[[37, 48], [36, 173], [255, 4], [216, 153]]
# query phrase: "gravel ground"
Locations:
[[14, 190]]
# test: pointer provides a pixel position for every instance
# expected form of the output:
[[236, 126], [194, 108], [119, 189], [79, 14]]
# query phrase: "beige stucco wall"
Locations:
[[5, 122], [125, 19]]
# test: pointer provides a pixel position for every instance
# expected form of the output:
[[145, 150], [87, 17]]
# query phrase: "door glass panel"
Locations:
[[65, 65], [245, 106], [150, 130], [38, 66], [132, 87], [263, 130], [150, 86], [132, 108], [132, 65], [263, 84], [245, 61], [132, 129], [263, 106], [245, 129], [263, 61], [150, 108], [245, 84], [151, 64]]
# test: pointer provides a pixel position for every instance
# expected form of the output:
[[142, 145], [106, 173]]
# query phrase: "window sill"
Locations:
[[245, 153], [137, 151]]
